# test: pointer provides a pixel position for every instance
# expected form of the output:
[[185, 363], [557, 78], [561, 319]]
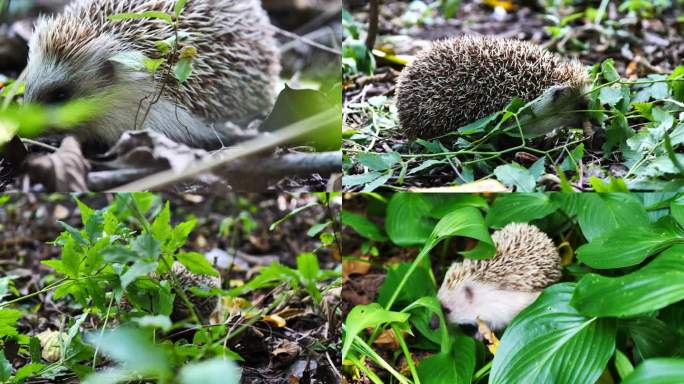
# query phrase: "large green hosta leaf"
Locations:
[[550, 342], [658, 371], [652, 287]]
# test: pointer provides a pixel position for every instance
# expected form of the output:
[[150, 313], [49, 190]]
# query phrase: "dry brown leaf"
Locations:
[[355, 267], [478, 186], [492, 340], [274, 320], [63, 171], [387, 340]]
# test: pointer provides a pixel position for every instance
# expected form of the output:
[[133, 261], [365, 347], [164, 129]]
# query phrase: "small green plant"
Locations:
[[356, 57], [175, 58]]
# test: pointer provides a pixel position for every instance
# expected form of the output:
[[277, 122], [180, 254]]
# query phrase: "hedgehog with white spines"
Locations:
[[460, 80], [77, 54], [497, 289]]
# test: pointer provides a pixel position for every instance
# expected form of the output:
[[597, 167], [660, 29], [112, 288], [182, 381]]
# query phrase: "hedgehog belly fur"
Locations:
[[491, 304]]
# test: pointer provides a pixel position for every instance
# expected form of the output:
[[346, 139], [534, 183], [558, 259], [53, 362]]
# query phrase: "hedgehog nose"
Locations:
[[446, 310], [468, 329]]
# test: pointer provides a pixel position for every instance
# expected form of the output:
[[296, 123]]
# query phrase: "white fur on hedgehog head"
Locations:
[[69, 62], [497, 289]]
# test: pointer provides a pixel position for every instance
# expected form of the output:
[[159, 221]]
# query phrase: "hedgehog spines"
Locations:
[[460, 80], [235, 72], [526, 260]]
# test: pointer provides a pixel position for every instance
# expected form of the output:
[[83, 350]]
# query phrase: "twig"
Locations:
[[251, 147], [305, 40], [373, 20]]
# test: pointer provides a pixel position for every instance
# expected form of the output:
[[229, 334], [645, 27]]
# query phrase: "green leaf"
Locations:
[[626, 246], [622, 364], [142, 15], [197, 263], [657, 371], [379, 161], [146, 246], [75, 233], [290, 214], [132, 348], [367, 316], [599, 213], [652, 337], [116, 254], [152, 65], [5, 368], [8, 321], [307, 265], [139, 268], [454, 366], [610, 95], [677, 86], [180, 235], [159, 321], [519, 208], [608, 70], [362, 226], [213, 371], [422, 285], [161, 226], [658, 284], [183, 69], [550, 342], [408, 219], [132, 59], [71, 259], [180, 4], [466, 222], [515, 175]]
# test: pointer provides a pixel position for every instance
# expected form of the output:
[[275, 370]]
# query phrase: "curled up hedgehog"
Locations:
[[460, 80], [497, 289], [235, 72]]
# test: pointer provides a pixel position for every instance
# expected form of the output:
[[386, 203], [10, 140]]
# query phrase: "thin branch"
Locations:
[[288, 134]]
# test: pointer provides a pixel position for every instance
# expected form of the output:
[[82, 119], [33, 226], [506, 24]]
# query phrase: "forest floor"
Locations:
[[645, 45], [294, 339]]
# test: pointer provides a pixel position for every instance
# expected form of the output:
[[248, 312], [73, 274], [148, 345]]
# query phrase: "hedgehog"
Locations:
[[204, 306], [497, 289], [460, 80], [78, 55]]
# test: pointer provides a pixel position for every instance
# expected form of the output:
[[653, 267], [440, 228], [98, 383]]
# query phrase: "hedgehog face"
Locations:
[[58, 74], [468, 300]]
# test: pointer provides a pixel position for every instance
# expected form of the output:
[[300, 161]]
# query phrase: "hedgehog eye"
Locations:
[[468, 293], [57, 96]]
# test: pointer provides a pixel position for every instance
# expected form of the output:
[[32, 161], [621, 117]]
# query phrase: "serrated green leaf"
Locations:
[[196, 263], [139, 268]]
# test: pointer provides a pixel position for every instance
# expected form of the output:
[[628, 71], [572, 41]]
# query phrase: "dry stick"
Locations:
[[373, 20], [250, 147], [305, 40], [323, 163]]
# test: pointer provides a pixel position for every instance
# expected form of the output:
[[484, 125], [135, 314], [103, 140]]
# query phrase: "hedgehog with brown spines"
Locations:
[[77, 54], [460, 80], [204, 306], [497, 289]]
